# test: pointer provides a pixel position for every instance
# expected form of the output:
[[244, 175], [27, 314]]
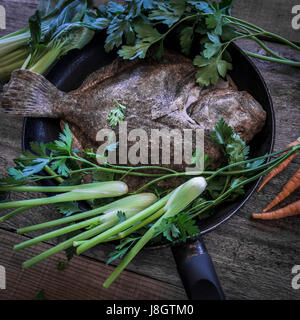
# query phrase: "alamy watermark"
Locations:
[[2, 18], [296, 18], [154, 147], [2, 278], [296, 279]]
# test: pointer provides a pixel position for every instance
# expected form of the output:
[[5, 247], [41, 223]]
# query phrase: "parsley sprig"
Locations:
[[142, 27], [116, 115], [202, 29]]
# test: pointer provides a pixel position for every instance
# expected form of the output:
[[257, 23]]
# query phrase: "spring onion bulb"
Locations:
[[179, 200]]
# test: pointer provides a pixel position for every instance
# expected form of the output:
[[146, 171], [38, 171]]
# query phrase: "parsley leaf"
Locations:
[[210, 69], [186, 38], [115, 32], [208, 74], [211, 49], [168, 12], [147, 36], [64, 144], [116, 115], [172, 232], [187, 226], [215, 21], [68, 208], [122, 249], [222, 133], [202, 6], [233, 146], [135, 7], [115, 8], [178, 228]]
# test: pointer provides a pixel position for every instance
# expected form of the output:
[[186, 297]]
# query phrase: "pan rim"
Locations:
[[251, 191]]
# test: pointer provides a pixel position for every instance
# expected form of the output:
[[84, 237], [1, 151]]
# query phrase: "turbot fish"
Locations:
[[157, 95]]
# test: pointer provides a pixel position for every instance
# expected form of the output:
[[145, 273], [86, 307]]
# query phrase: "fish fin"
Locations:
[[30, 94]]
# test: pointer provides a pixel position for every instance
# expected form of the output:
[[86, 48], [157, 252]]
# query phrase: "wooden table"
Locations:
[[253, 259]]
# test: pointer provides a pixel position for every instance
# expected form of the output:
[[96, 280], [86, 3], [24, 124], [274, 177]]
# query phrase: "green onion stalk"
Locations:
[[131, 206], [82, 192], [106, 216]]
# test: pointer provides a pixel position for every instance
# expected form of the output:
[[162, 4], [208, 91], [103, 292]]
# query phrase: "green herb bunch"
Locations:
[[203, 30]]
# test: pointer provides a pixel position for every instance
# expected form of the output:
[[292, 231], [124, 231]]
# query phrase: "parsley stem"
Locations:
[[116, 171], [221, 171], [266, 33], [292, 149], [272, 59], [180, 21], [143, 168], [52, 173], [267, 49], [225, 185], [226, 44], [241, 184], [147, 185], [99, 168], [231, 18]]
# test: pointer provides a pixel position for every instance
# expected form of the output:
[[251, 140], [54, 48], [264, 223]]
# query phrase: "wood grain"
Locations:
[[253, 258], [82, 279], [272, 15], [17, 14]]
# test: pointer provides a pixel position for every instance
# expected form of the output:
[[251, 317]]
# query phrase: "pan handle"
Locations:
[[196, 270]]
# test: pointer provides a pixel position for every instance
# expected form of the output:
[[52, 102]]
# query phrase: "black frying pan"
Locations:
[[193, 261]]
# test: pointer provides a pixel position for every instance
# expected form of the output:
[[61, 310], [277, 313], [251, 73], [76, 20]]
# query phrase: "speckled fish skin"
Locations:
[[156, 96]]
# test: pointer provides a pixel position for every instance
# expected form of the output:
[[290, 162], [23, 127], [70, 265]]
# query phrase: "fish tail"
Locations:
[[30, 94]]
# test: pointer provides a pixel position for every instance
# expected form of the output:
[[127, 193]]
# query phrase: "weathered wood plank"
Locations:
[[82, 279]]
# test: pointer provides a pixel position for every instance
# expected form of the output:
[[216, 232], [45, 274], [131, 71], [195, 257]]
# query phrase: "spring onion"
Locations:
[[82, 192]]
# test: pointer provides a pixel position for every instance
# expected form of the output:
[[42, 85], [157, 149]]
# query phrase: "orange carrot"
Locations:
[[290, 187], [281, 167], [290, 210]]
